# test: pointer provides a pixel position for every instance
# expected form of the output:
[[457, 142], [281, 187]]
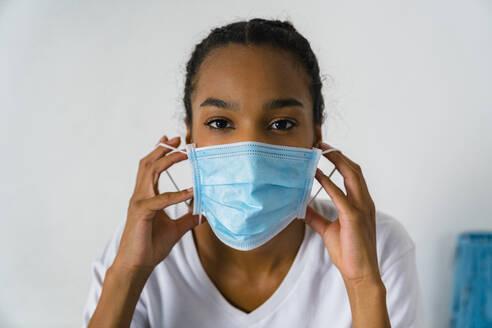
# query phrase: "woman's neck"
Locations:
[[278, 252]]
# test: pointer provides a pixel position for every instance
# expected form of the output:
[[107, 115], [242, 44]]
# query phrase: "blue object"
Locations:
[[472, 297], [249, 191]]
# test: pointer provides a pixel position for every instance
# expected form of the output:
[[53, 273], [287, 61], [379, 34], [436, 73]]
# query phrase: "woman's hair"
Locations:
[[258, 31]]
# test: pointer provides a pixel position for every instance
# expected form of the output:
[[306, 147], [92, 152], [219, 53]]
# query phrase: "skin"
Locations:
[[248, 78]]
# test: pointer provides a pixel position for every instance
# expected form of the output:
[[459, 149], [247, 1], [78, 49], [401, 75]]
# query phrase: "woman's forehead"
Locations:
[[240, 71]]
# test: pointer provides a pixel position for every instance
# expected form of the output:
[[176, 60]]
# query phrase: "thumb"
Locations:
[[316, 221], [185, 223]]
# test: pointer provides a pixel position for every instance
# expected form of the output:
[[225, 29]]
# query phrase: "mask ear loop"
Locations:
[[169, 174], [329, 176]]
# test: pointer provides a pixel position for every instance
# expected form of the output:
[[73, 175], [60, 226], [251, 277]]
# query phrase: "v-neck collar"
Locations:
[[211, 293]]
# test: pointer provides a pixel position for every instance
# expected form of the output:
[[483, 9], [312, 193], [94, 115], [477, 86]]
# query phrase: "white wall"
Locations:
[[88, 87]]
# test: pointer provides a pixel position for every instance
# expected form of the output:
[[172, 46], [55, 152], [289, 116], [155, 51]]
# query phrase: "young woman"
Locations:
[[254, 83]]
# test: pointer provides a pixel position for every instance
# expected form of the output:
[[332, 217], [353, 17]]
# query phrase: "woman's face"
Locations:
[[256, 93]]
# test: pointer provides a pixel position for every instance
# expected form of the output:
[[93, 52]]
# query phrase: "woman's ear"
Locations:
[[188, 132]]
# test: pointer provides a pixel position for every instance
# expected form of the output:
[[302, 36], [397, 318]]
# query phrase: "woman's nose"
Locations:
[[251, 137], [251, 132]]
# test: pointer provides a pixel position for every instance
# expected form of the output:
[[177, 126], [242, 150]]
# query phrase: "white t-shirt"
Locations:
[[179, 293]]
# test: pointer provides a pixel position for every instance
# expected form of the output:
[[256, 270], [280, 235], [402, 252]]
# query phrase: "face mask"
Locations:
[[250, 191]]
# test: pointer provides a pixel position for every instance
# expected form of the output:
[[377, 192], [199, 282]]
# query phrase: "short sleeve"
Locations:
[[98, 272], [400, 276]]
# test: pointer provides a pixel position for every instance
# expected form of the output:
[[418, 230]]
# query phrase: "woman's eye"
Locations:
[[282, 125], [218, 124]]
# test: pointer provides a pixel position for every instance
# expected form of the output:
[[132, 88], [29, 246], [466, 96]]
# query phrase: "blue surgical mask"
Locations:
[[250, 191]]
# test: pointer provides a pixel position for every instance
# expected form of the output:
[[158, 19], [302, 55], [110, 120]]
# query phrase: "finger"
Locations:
[[150, 177], [166, 199], [316, 221], [158, 152], [365, 190], [147, 160], [149, 171], [351, 176], [165, 162], [341, 201], [185, 223], [357, 168]]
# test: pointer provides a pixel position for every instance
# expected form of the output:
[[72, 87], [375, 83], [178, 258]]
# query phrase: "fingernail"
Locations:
[[190, 189], [164, 138]]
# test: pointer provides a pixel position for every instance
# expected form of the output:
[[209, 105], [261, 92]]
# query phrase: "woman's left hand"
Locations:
[[351, 238]]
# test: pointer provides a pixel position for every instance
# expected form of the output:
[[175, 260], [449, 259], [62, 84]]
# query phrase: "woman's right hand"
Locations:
[[149, 233]]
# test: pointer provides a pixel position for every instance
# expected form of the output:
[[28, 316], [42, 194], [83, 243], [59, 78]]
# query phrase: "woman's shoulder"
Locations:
[[392, 239]]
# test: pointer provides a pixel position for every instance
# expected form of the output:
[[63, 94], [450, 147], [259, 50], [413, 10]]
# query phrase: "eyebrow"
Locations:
[[272, 104]]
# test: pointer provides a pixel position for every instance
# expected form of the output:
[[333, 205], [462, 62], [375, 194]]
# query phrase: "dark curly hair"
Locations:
[[257, 31]]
